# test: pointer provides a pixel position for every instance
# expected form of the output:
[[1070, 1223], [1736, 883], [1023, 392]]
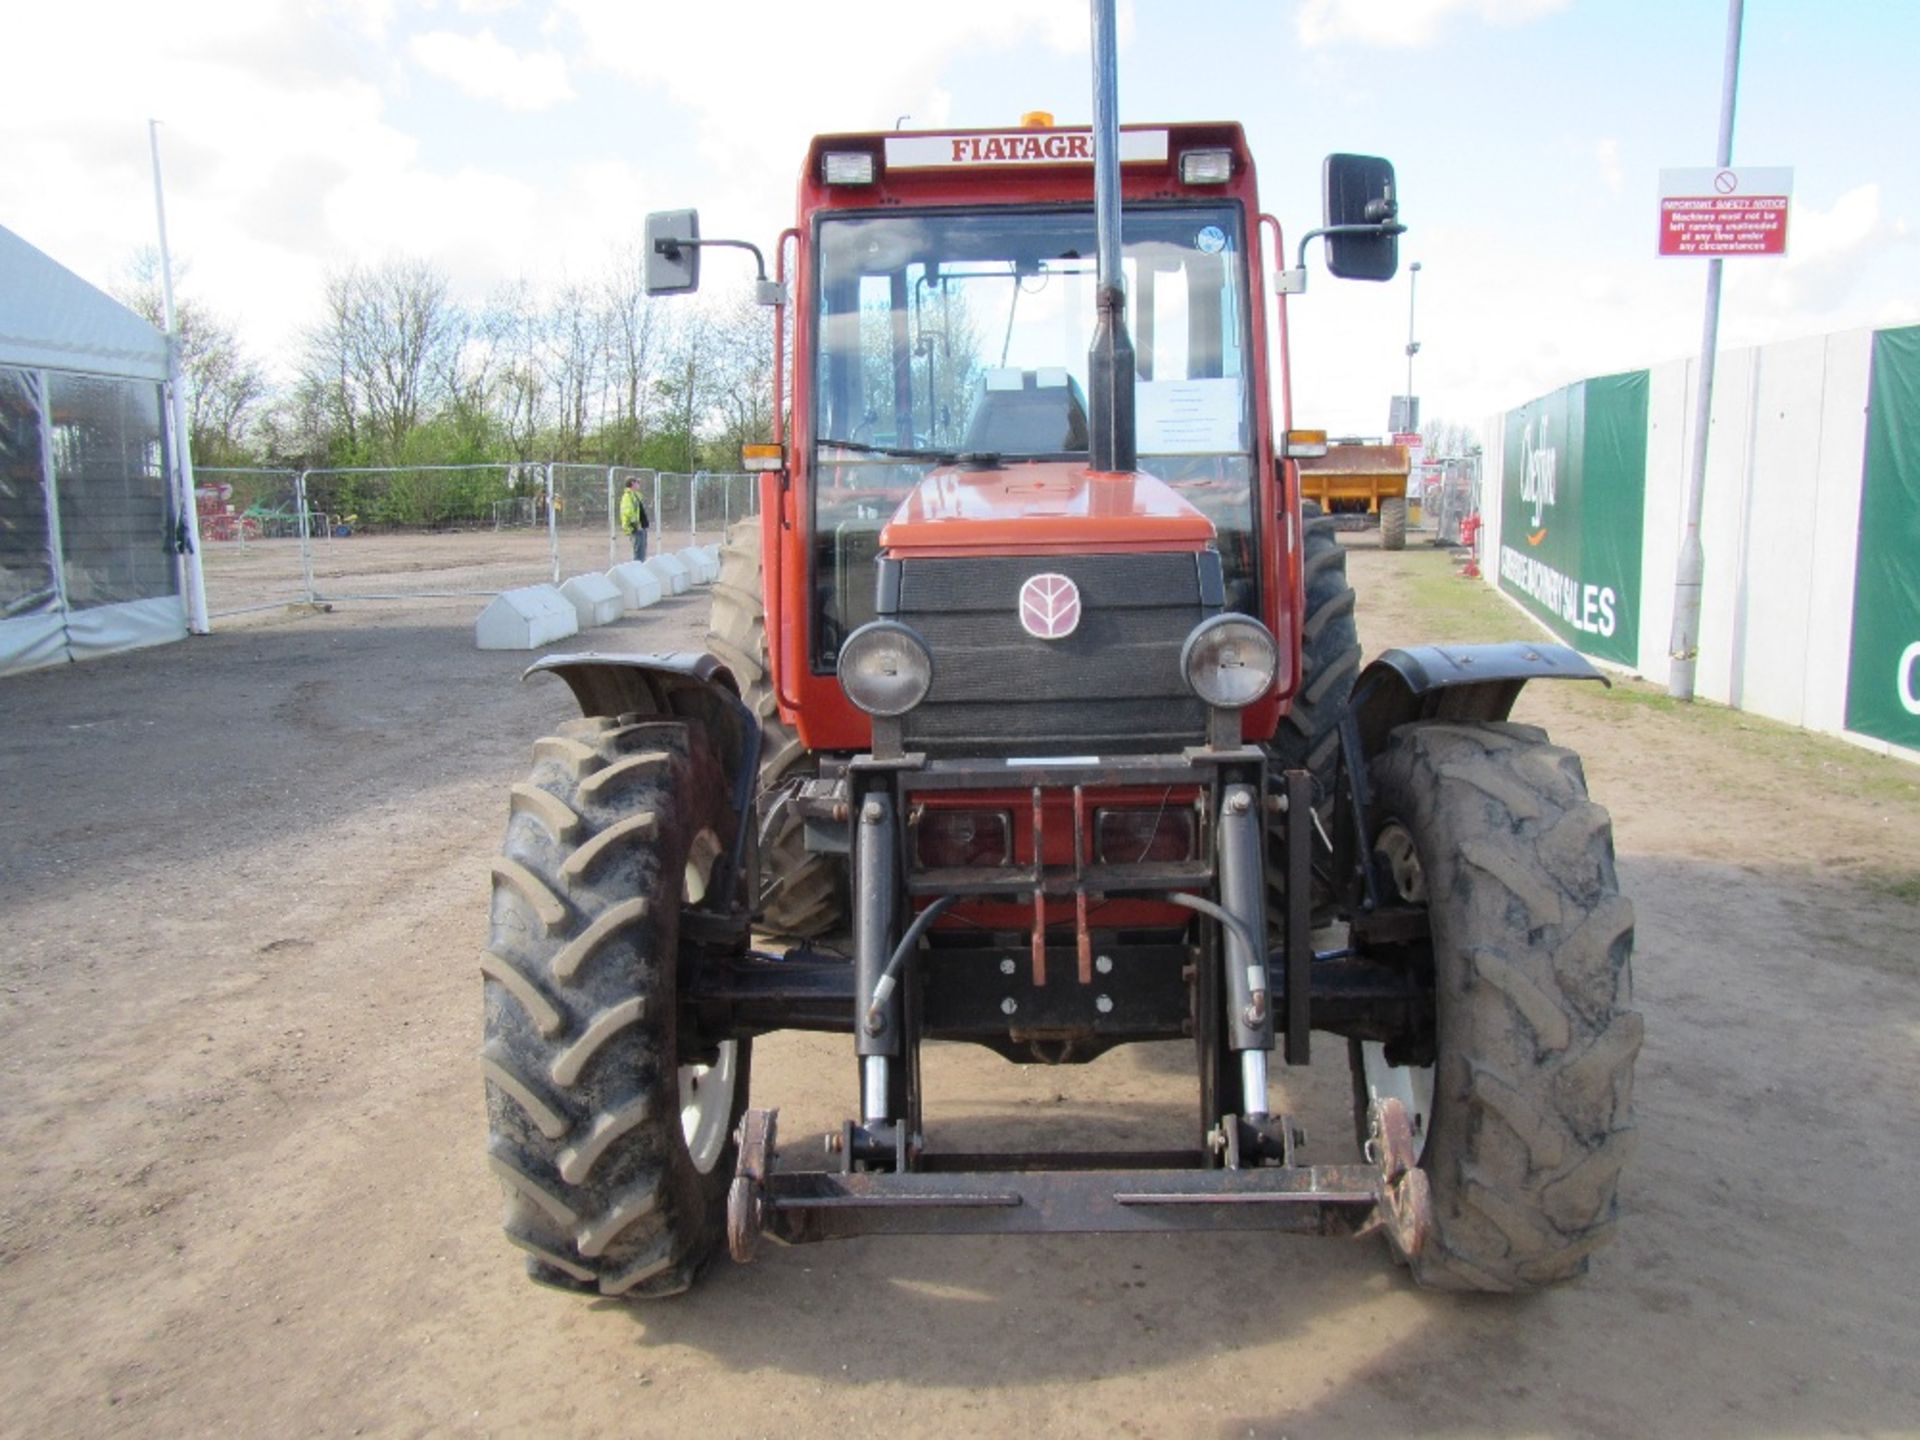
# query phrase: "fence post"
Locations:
[[553, 527], [726, 504], [658, 515], [306, 535], [613, 522]]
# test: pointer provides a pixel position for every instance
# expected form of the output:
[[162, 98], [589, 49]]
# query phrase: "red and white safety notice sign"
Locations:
[[1725, 212]]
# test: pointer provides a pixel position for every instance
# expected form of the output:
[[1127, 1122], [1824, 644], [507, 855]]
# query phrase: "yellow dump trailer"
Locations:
[[1359, 479]]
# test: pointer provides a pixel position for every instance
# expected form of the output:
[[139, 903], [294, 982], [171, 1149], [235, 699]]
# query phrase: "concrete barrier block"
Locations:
[[701, 569], [525, 619], [639, 587], [596, 600], [671, 573]]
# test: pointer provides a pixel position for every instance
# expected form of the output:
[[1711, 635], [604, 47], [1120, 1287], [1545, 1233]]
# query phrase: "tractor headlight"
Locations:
[[1230, 661], [885, 668]]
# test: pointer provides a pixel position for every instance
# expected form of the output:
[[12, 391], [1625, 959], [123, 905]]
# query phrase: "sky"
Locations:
[[508, 141]]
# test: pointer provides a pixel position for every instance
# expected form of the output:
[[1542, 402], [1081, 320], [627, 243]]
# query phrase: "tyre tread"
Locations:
[[802, 894], [1532, 940], [579, 1057]]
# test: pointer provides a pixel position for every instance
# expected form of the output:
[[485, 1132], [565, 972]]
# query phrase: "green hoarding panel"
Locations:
[[1883, 673], [1573, 484]]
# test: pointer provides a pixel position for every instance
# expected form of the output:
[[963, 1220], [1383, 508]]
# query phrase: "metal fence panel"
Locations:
[[586, 509], [277, 537], [698, 508], [426, 531], [251, 547]]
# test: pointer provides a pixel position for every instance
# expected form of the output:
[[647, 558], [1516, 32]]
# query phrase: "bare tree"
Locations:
[[407, 335], [740, 374], [1447, 437], [520, 385], [633, 351], [388, 350], [686, 384], [575, 346], [227, 388]]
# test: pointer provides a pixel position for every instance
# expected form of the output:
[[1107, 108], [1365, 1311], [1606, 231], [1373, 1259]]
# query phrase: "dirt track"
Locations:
[[244, 885]]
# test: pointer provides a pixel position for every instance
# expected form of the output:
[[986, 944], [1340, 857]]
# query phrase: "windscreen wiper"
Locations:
[[971, 459]]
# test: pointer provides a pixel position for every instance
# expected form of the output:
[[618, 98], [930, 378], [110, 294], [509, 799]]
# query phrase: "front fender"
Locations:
[[1454, 682], [686, 685]]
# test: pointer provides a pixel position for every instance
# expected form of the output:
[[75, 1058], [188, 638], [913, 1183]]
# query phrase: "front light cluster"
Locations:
[[1230, 661], [885, 668]]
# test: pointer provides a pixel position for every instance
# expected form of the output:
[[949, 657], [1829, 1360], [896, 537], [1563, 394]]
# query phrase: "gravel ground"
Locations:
[[244, 881]]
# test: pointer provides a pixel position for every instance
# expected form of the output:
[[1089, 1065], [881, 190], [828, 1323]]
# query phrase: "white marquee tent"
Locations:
[[90, 543]]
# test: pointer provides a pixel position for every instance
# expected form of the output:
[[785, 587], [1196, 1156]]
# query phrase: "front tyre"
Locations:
[[611, 1133], [1531, 1108]]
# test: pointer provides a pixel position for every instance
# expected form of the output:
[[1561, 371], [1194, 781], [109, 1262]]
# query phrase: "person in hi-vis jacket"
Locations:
[[633, 517]]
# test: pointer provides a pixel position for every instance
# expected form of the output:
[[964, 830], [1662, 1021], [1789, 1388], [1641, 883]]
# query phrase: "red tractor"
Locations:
[[1032, 716]]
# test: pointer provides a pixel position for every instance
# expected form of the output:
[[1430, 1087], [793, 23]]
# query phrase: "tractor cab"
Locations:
[[953, 301]]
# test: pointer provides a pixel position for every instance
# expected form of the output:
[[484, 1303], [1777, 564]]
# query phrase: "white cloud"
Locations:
[[487, 68], [282, 158], [763, 86], [1828, 253], [1405, 24]]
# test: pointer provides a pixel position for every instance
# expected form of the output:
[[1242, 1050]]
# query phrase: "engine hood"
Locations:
[[1042, 508]]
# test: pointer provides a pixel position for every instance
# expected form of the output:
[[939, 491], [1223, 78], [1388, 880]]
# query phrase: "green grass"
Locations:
[[1453, 610], [1817, 760], [1894, 884]]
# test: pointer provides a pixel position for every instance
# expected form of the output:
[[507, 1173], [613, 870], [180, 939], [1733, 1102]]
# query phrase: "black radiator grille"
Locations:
[[1113, 686]]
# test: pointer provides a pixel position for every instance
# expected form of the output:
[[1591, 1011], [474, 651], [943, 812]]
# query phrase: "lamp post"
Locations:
[[1413, 345]]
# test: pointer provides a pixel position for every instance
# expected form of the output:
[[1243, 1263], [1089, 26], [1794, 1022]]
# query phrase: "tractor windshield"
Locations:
[[949, 333]]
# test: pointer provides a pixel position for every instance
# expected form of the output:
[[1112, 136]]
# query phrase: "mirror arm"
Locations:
[[671, 249], [1383, 228], [767, 292]]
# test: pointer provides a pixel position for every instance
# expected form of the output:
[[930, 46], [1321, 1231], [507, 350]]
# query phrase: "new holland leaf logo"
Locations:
[[1049, 607]]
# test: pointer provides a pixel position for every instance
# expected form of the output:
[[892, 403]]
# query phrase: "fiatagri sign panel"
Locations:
[[1883, 675], [1573, 483]]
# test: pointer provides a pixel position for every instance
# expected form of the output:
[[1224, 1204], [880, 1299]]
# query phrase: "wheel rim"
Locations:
[[706, 1105], [706, 1090], [1411, 1085], [1395, 846]]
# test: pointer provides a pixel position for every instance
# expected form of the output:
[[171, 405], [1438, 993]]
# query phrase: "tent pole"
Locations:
[[193, 583]]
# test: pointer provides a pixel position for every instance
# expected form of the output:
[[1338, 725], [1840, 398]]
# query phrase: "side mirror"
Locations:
[[673, 252], [1360, 192]]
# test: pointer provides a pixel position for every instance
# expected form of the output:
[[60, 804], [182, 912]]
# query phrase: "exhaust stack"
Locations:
[[1110, 362]]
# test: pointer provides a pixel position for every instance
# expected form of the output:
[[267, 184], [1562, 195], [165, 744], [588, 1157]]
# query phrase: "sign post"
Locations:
[[1684, 644]]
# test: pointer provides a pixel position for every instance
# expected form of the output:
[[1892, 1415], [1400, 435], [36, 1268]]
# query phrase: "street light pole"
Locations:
[[1413, 345]]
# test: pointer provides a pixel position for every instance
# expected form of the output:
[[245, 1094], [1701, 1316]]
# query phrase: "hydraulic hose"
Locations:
[[889, 977], [1215, 912]]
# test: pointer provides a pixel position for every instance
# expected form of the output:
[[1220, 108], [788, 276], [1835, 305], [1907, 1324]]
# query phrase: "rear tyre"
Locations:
[[801, 893], [612, 1137], [1393, 524], [1531, 1105], [1309, 737]]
